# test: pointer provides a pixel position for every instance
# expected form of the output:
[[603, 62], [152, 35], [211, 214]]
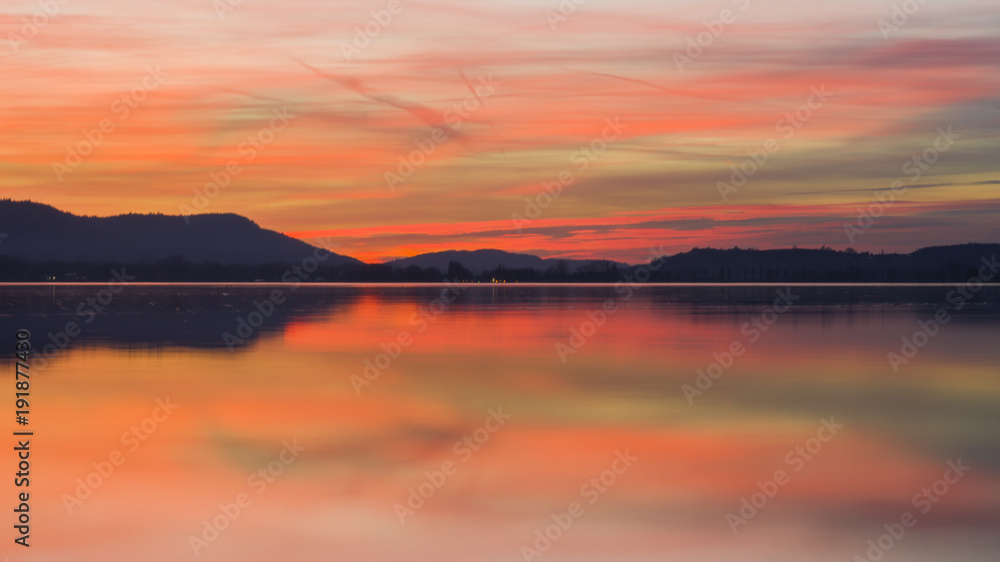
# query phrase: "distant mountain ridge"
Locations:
[[40, 233], [930, 264], [39, 242], [479, 261]]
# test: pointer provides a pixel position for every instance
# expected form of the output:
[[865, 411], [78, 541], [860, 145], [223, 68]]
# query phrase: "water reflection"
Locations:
[[495, 347]]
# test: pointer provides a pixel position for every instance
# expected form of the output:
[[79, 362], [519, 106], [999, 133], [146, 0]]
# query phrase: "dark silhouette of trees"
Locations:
[[939, 264]]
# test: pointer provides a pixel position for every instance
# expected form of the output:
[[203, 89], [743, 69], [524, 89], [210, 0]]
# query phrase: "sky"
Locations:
[[588, 129]]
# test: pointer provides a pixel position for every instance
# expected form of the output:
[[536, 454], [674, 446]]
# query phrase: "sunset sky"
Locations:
[[503, 96]]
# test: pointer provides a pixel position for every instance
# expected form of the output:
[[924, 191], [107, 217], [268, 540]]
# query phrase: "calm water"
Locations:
[[419, 421]]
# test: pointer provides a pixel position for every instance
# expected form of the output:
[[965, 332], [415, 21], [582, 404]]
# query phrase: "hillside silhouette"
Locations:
[[927, 265], [480, 261], [41, 243], [41, 233]]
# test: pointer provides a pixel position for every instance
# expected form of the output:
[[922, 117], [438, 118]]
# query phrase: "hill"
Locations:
[[39, 242], [480, 261], [41, 233], [931, 264]]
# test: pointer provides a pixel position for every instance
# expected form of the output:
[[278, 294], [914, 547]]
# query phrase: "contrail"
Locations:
[[482, 104], [425, 114]]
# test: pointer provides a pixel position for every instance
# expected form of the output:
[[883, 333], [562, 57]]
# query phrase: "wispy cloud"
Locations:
[[610, 59]]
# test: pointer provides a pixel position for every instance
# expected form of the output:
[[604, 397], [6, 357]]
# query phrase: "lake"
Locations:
[[508, 422]]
